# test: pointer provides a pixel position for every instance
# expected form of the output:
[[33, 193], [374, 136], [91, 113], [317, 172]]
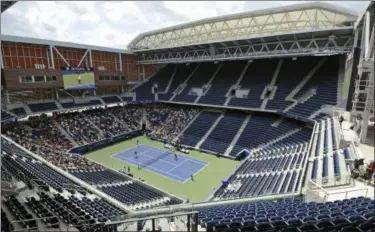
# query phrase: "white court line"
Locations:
[[177, 166], [160, 172], [123, 154], [181, 154], [124, 151], [197, 172]]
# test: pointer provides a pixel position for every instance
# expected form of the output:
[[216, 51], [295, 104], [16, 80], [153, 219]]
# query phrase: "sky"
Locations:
[[115, 23]]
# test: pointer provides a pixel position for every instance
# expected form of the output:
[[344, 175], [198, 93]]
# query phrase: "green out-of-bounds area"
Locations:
[[198, 190]]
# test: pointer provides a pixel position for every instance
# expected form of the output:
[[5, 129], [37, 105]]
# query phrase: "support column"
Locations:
[[143, 72], [153, 224], [367, 32], [48, 59], [120, 60], [52, 59], [1, 59], [7, 96], [90, 53]]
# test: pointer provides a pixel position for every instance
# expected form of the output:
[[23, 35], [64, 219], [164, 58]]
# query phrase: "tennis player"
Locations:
[[136, 154], [79, 79]]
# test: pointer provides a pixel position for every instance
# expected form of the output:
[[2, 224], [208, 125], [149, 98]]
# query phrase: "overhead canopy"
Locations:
[[286, 19], [6, 4]]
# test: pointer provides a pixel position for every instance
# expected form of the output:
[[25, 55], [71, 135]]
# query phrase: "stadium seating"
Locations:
[[18, 111], [5, 115], [201, 76], [127, 99], [222, 135], [106, 122], [225, 78], [355, 214], [74, 105], [198, 128], [325, 81], [20, 213], [289, 77], [182, 73], [137, 196], [98, 177], [258, 75], [85, 214], [42, 107], [161, 78], [258, 122], [78, 128], [111, 99], [27, 169], [5, 223]]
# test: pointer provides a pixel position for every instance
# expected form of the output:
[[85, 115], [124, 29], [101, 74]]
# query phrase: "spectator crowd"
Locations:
[[49, 136]]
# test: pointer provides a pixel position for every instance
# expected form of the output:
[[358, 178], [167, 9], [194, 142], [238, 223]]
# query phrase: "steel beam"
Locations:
[[314, 46], [61, 56], [83, 57], [120, 60], [52, 58], [90, 58]]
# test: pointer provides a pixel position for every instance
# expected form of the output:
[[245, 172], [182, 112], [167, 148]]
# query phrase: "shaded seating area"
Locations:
[[72, 104], [42, 107], [111, 99]]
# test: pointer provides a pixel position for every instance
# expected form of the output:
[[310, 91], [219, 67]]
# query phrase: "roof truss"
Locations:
[[247, 26], [301, 47]]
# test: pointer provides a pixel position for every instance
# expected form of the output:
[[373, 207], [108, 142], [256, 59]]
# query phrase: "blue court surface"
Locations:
[[162, 162]]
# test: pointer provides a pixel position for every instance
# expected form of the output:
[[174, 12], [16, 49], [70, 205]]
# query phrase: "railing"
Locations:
[[21, 225], [318, 193]]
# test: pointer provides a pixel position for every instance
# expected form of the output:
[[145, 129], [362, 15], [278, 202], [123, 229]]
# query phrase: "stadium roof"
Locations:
[[286, 19], [6, 4], [28, 40]]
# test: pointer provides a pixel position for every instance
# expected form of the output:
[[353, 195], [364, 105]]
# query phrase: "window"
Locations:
[[107, 78], [39, 79], [101, 78], [26, 79], [51, 78], [123, 78], [115, 78]]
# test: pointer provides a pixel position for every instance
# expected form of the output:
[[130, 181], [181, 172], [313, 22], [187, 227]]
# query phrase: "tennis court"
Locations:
[[162, 162]]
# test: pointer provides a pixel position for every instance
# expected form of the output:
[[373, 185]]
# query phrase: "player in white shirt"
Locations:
[[79, 79]]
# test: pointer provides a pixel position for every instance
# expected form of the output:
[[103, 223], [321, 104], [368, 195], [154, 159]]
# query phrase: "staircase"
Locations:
[[279, 138], [185, 82], [238, 135], [238, 82], [144, 81], [209, 83], [273, 81], [64, 132], [209, 131], [170, 80], [27, 109], [58, 104], [95, 126], [119, 121], [305, 80], [182, 132], [301, 100]]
